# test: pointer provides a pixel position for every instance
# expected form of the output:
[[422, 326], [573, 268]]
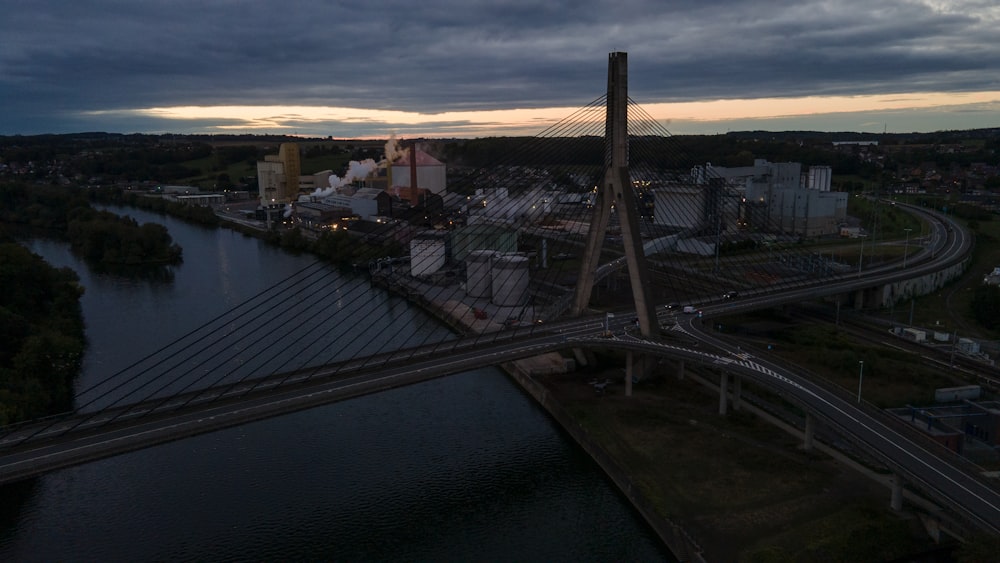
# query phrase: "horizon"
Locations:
[[480, 69], [925, 113]]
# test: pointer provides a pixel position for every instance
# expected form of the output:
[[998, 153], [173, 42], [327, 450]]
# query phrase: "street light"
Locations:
[[906, 246], [861, 256], [861, 375]]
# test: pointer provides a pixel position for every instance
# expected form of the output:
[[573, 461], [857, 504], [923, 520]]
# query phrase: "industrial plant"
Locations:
[[494, 239]]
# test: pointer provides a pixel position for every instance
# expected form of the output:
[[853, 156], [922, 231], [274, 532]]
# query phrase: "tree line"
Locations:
[[41, 326], [104, 237], [192, 213], [41, 323], [99, 236]]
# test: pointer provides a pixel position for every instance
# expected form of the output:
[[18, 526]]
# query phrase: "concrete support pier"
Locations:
[[629, 372], [737, 391], [807, 438], [723, 391], [896, 502]]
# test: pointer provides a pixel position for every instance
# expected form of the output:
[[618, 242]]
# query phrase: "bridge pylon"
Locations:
[[616, 192]]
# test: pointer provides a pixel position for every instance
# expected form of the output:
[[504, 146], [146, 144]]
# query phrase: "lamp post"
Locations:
[[906, 246], [861, 375], [861, 255]]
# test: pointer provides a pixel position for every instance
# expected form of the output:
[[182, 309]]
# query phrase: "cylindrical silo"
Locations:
[[510, 280], [427, 254], [478, 281]]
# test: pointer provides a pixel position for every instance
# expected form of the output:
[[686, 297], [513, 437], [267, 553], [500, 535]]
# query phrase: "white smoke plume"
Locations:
[[361, 170], [355, 171], [393, 150]]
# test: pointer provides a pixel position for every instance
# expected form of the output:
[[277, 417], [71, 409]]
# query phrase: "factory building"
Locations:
[[430, 172], [679, 206], [807, 212], [366, 203], [280, 179], [482, 236], [709, 208], [278, 175], [766, 197], [198, 199], [310, 183], [321, 215], [969, 427], [417, 190]]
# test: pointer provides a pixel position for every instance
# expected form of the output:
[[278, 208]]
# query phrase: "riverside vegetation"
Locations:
[[41, 326], [41, 323], [855, 530]]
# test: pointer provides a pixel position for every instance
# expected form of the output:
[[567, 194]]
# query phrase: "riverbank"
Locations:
[[554, 399], [714, 488], [447, 470], [740, 486]]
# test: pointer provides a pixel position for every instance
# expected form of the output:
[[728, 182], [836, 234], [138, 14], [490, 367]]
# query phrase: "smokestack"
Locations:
[[413, 168], [413, 174]]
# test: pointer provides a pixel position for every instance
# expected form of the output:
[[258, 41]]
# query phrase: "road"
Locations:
[[46, 446]]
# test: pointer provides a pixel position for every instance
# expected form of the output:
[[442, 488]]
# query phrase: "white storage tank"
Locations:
[[510, 280], [427, 253], [955, 394], [478, 276]]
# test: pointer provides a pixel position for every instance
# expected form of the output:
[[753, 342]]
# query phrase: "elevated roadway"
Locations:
[[79, 437]]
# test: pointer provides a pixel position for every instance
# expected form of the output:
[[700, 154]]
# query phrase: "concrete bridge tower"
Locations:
[[616, 191]]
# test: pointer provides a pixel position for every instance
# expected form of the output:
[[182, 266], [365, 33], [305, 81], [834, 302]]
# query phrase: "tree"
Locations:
[[222, 182], [41, 325]]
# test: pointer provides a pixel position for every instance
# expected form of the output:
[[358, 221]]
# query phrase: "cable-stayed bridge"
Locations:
[[318, 337]]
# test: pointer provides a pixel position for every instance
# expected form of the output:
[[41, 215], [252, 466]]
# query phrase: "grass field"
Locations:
[[740, 485], [745, 488]]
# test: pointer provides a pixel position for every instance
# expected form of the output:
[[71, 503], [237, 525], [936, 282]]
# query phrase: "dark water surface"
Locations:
[[463, 468]]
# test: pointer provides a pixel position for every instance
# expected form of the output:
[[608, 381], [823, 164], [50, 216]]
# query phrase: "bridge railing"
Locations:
[[893, 422]]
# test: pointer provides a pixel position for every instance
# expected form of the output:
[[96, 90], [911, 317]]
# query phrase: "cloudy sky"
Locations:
[[474, 68]]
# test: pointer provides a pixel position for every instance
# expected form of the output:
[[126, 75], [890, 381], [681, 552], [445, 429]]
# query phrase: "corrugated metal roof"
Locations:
[[367, 193], [423, 159]]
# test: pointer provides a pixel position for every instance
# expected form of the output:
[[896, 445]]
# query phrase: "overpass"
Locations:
[[92, 433], [82, 438], [47, 445]]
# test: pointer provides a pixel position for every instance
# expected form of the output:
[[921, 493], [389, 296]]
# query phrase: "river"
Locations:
[[462, 468]]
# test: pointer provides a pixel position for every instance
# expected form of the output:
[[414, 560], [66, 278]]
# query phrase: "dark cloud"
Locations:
[[63, 57]]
